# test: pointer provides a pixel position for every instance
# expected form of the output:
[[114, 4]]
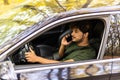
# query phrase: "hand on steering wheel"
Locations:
[[23, 50], [31, 56]]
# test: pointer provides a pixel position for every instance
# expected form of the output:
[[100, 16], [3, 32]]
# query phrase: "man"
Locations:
[[76, 49]]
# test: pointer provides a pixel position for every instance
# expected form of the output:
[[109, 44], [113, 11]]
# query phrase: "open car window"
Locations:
[[48, 43]]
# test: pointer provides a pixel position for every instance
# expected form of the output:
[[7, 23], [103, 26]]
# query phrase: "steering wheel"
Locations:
[[19, 56], [40, 50]]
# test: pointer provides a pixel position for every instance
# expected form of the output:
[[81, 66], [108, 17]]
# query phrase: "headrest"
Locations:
[[98, 29]]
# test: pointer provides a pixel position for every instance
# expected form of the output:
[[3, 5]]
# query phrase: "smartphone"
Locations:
[[69, 38]]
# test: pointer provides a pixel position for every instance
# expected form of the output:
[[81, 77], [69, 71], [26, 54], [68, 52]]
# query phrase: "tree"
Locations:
[[87, 3], [6, 2]]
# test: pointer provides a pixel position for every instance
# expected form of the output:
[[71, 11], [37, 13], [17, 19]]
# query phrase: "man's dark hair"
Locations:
[[83, 26]]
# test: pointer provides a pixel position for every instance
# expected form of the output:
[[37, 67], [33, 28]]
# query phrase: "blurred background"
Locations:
[[5, 5]]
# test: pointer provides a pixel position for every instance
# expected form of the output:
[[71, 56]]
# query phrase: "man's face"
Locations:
[[77, 35]]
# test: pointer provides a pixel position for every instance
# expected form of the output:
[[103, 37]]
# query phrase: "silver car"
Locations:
[[41, 24]]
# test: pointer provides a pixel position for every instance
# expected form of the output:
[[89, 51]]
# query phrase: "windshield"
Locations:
[[18, 15]]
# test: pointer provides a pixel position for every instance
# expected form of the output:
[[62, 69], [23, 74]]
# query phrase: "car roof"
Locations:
[[29, 13]]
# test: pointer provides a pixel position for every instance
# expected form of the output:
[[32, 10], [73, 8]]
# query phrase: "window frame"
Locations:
[[82, 18]]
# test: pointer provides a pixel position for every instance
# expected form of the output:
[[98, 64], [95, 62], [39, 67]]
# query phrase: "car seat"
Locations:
[[97, 32]]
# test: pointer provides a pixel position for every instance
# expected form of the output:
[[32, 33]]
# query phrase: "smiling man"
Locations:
[[75, 50]]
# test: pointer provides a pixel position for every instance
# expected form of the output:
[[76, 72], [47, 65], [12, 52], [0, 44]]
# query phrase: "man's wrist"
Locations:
[[63, 45], [37, 59]]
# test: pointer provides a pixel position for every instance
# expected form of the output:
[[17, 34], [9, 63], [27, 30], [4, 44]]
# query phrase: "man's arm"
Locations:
[[70, 60], [32, 57], [47, 61], [64, 43], [61, 50]]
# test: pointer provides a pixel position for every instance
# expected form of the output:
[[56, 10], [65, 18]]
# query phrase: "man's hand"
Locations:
[[64, 41], [31, 56]]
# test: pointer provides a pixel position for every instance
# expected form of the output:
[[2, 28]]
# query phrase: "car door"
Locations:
[[65, 70]]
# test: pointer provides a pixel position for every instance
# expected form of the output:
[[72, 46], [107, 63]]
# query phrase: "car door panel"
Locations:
[[90, 70], [79, 70]]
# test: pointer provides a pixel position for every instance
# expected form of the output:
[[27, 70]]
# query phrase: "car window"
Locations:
[[48, 43], [113, 41]]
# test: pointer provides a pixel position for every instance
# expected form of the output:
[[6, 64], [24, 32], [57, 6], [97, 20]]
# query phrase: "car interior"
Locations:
[[47, 44]]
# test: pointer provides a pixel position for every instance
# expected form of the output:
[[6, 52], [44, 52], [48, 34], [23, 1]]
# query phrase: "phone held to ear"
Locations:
[[69, 38]]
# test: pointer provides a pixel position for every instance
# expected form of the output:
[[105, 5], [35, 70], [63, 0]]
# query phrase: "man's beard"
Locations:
[[81, 40]]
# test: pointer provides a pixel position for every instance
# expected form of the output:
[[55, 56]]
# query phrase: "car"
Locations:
[[40, 25]]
